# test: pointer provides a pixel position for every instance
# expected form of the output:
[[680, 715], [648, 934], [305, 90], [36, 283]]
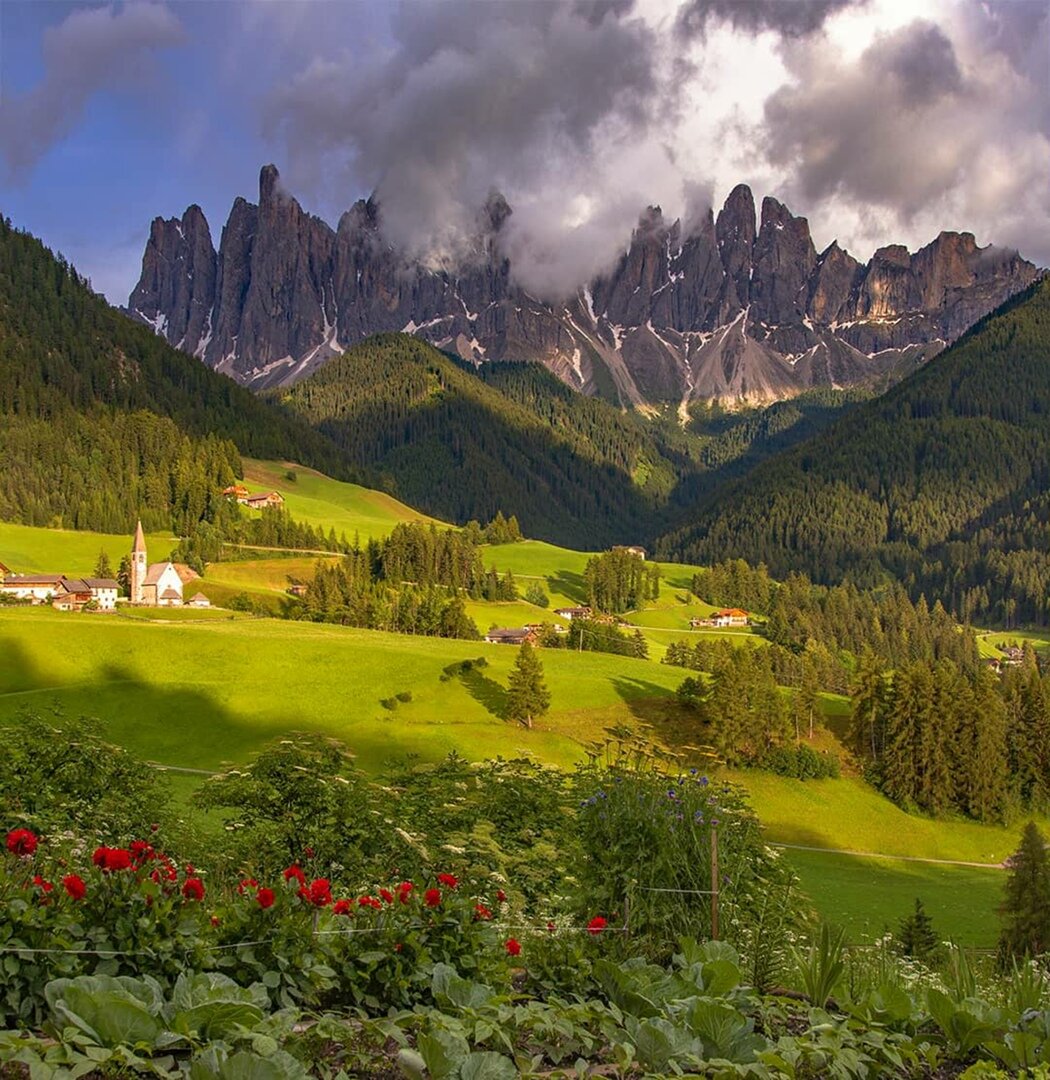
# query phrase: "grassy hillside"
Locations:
[[101, 422], [434, 434], [942, 484], [67, 551], [319, 500], [202, 692]]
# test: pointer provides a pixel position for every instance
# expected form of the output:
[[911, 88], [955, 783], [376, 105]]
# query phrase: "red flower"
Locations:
[[40, 883], [295, 872], [404, 891], [482, 912], [74, 886], [448, 879], [109, 859], [387, 895], [501, 896], [320, 894], [596, 925], [141, 851], [513, 947], [215, 920], [246, 884], [21, 842], [551, 928], [369, 901], [193, 888], [265, 898], [432, 897], [342, 907]]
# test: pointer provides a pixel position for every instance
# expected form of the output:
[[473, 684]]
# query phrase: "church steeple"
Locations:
[[138, 566]]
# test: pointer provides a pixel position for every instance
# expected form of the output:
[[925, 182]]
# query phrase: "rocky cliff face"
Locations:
[[738, 310]]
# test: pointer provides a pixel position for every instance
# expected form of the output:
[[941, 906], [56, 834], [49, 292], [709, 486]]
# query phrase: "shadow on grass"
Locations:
[[486, 692], [569, 584], [163, 723]]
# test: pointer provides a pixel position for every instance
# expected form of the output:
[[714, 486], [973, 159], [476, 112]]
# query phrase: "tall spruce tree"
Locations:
[[1026, 907], [528, 696], [916, 935]]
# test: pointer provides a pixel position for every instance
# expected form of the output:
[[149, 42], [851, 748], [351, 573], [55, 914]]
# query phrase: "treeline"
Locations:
[[942, 739], [942, 484], [101, 422], [619, 581], [208, 541], [445, 441], [844, 619], [105, 470], [412, 582], [745, 717]]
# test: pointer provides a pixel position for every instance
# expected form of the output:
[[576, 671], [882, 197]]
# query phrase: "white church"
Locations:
[[159, 584]]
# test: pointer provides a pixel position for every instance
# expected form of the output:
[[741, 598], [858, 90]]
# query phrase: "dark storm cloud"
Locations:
[[792, 18], [91, 50], [877, 129], [471, 96]]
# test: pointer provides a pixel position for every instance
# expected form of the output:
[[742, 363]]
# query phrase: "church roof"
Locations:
[[170, 594], [186, 573], [140, 540], [154, 572]]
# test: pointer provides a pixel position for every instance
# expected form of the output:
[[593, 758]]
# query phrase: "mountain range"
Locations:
[[738, 308]]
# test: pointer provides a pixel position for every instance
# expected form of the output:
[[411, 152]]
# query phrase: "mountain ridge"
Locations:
[[740, 309]]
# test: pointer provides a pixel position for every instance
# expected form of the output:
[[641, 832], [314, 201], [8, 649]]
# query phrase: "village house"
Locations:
[[37, 588], [1013, 655], [157, 584], [74, 594], [263, 500], [725, 617], [510, 636], [236, 491], [632, 550], [571, 613], [198, 600]]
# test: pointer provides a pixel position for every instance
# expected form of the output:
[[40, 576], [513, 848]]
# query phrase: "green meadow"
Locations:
[[319, 500], [26, 549], [196, 689]]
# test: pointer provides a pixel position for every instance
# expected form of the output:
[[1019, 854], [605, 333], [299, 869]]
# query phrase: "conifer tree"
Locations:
[[103, 567], [916, 934], [1026, 907], [528, 696]]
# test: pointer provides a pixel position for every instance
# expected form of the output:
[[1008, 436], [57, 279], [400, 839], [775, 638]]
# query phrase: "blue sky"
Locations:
[[881, 120]]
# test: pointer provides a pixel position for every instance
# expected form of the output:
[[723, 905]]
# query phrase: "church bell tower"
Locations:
[[138, 565]]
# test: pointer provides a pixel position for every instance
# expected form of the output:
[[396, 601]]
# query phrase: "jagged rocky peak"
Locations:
[[735, 306]]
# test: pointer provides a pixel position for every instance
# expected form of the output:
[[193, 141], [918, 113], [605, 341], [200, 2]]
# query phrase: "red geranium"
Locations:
[[501, 896], [551, 928], [369, 901], [320, 894], [246, 884], [109, 859], [193, 888], [74, 886], [215, 920], [342, 907], [387, 895], [404, 891], [432, 897], [596, 925], [21, 842], [513, 947], [40, 883], [265, 898], [482, 912], [294, 871], [448, 879], [141, 851]]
